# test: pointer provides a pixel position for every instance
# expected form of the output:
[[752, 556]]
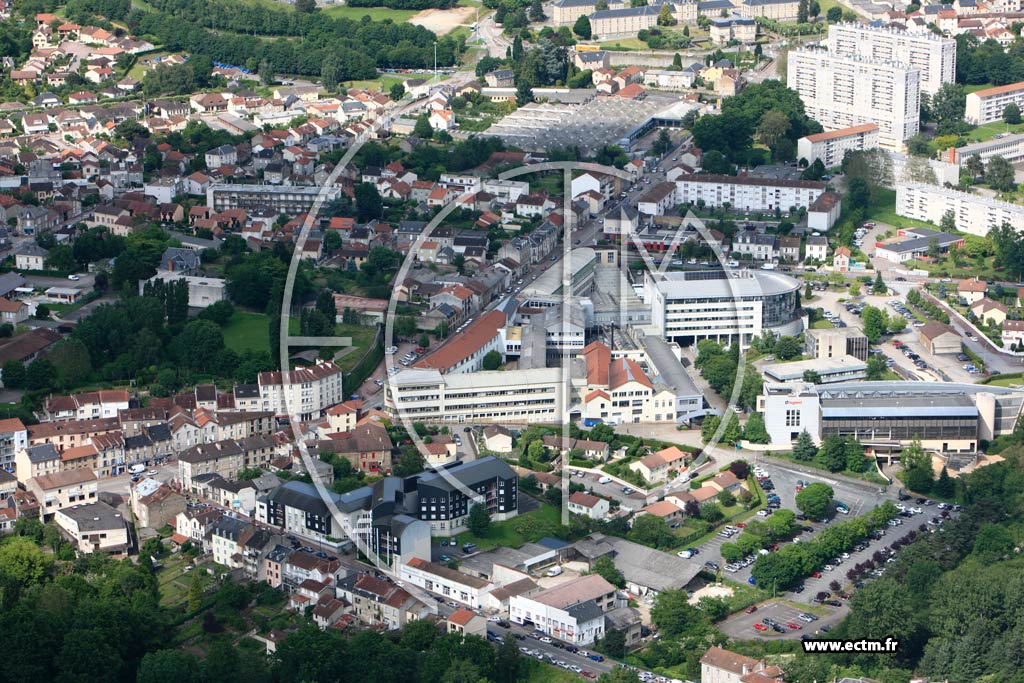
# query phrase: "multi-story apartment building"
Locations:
[[727, 306], [13, 438], [974, 214], [840, 91], [305, 392], [624, 21], [778, 10], [573, 612], [831, 146], [445, 497], [726, 29], [88, 405], [285, 199], [746, 193], [226, 458], [986, 106], [514, 396], [62, 489], [934, 56]]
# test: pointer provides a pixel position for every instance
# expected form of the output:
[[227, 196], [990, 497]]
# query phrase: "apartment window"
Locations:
[[792, 418]]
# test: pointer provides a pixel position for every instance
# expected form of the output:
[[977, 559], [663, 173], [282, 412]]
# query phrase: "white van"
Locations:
[[604, 480], [554, 571], [136, 469]]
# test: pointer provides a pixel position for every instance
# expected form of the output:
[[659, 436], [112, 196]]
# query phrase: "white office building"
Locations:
[[305, 392], [727, 306], [974, 214], [514, 396], [934, 56], [746, 193], [986, 106], [831, 146], [841, 91]]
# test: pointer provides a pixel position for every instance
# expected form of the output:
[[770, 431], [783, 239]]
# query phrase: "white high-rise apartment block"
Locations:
[[934, 56], [841, 91]]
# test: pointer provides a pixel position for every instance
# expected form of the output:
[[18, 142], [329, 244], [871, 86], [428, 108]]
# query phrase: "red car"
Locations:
[[816, 575], [795, 626], [741, 525], [588, 674], [760, 627], [751, 609]]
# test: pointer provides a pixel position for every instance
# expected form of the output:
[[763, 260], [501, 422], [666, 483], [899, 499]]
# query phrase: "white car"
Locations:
[[74, 278]]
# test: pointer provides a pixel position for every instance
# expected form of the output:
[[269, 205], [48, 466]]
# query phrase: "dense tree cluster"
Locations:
[[720, 367]]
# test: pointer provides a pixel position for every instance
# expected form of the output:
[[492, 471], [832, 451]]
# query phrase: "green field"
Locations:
[[990, 130], [382, 84], [247, 332], [506, 534], [625, 45], [822, 325], [375, 13], [883, 209]]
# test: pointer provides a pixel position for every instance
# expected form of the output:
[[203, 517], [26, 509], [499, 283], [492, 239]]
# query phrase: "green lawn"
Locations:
[[375, 13], [822, 325], [362, 337], [883, 209], [625, 45], [382, 84], [533, 671], [990, 130], [506, 533], [247, 332]]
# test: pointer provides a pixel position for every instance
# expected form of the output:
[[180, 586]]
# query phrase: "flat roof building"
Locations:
[[831, 146], [934, 56], [727, 306], [946, 416], [974, 213], [986, 106], [829, 370], [840, 91]]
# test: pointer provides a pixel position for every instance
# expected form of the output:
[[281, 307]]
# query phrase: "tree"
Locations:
[[974, 166], [943, 487], [879, 286], [917, 467], [773, 126], [266, 72], [369, 204], [726, 499], [804, 448], [665, 17], [305, 6], [948, 107], [492, 360], [787, 347], [168, 666], [877, 367], [677, 59], [708, 427], [70, 359], [858, 193], [948, 222], [802, 11], [814, 9], [582, 27], [601, 5], [24, 561], [673, 614], [397, 91], [834, 14], [605, 567], [423, 129], [663, 143], [833, 453], [875, 321], [755, 431], [410, 462], [14, 374], [479, 521], [536, 11], [614, 642], [812, 377], [814, 500], [1011, 114], [999, 174], [651, 531], [507, 663], [524, 93]]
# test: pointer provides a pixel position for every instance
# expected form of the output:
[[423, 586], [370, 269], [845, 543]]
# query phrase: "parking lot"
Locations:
[[783, 612]]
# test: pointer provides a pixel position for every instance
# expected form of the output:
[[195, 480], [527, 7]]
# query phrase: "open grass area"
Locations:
[[883, 209], [362, 337], [990, 130], [247, 332], [822, 325], [624, 45], [533, 671], [375, 13], [507, 533], [382, 84]]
